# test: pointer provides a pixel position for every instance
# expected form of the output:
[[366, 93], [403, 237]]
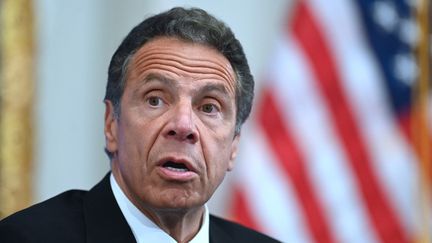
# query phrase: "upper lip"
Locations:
[[189, 165]]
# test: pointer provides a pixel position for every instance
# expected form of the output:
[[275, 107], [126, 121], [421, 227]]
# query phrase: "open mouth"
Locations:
[[177, 169], [174, 166]]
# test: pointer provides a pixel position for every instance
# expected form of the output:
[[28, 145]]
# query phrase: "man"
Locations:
[[179, 89]]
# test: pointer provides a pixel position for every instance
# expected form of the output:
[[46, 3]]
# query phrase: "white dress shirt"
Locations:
[[143, 229]]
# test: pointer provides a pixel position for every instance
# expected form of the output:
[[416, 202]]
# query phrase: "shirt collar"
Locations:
[[143, 229]]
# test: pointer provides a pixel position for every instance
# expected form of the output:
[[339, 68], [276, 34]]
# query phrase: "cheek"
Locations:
[[134, 143], [218, 157]]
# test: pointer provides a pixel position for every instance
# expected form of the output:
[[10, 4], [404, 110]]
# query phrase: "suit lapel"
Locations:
[[103, 218], [217, 234]]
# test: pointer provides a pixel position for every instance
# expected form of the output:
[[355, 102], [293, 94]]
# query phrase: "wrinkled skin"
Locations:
[[178, 105]]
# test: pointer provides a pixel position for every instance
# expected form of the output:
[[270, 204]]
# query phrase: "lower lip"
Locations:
[[176, 175]]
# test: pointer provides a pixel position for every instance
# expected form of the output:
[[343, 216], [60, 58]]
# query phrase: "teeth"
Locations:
[[177, 169]]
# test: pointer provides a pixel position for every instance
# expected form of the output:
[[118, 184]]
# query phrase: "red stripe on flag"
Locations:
[[382, 215], [241, 211], [404, 122], [293, 165]]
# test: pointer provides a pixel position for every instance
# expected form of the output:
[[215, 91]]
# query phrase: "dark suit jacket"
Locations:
[[93, 216]]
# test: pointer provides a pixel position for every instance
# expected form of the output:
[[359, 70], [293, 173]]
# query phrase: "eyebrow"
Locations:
[[169, 82], [157, 77], [214, 87], [153, 77]]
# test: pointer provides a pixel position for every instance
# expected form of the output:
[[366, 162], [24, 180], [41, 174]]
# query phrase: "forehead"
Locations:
[[178, 58]]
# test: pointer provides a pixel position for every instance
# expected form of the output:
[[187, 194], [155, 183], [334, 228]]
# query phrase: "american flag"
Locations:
[[327, 155]]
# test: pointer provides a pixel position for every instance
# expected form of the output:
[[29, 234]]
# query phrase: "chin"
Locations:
[[179, 201]]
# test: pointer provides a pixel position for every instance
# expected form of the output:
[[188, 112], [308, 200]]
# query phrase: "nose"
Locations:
[[181, 125]]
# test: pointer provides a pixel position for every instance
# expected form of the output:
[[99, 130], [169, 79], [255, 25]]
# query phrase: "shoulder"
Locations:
[[58, 217], [235, 232]]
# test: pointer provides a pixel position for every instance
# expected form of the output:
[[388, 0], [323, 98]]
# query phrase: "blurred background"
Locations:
[[337, 148]]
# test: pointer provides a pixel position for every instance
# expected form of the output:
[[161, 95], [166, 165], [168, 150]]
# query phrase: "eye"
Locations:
[[209, 108], [154, 101]]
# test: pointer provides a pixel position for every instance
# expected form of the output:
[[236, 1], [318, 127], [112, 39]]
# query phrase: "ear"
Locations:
[[234, 149], [110, 128]]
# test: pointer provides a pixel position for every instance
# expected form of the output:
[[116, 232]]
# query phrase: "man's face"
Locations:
[[174, 139]]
